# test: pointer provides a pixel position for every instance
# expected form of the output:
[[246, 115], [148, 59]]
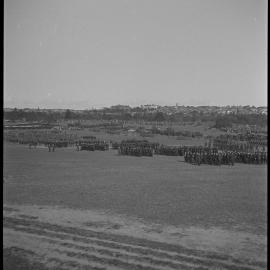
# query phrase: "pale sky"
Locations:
[[93, 53]]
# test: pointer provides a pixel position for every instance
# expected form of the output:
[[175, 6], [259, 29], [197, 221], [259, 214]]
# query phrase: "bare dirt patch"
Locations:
[[139, 244]]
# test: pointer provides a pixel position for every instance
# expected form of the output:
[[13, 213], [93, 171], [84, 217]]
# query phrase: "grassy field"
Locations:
[[160, 189], [170, 140]]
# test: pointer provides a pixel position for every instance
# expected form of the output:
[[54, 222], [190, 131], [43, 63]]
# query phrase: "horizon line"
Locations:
[[131, 106]]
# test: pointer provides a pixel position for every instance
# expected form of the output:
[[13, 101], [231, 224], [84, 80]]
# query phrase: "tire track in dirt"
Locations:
[[125, 252], [108, 258], [123, 239], [148, 255]]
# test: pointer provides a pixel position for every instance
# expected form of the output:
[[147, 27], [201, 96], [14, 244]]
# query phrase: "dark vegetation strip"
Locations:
[[121, 239], [9, 209], [146, 251], [135, 114], [28, 217]]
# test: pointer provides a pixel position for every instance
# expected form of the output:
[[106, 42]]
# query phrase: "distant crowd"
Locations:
[[225, 150]]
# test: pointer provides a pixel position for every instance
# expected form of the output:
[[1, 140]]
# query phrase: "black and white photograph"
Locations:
[[135, 134]]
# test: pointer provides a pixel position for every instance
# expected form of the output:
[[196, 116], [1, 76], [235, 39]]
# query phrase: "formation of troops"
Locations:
[[115, 145], [182, 150], [225, 150], [32, 139], [92, 145], [137, 148], [222, 158], [51, 146], [251, 158], [226, 158], [241, 142]]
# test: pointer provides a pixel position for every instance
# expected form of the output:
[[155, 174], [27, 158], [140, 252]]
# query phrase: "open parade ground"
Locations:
[[94, 209]]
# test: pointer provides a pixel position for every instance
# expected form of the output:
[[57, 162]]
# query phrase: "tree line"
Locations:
[[220, 121]]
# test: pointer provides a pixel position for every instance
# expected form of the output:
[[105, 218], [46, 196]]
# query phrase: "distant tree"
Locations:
[[126, 116], [222, 122], [51, 117], [227, 121], [159, 117], [68, 114]]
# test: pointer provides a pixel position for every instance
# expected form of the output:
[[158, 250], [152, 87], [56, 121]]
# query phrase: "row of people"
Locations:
[[92, 145], [226, 158], [251, 158], [181, 150], [139, 143], [241, 147], [136, 151]]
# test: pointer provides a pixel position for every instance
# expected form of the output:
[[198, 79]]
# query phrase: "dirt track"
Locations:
[[62, 243]]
